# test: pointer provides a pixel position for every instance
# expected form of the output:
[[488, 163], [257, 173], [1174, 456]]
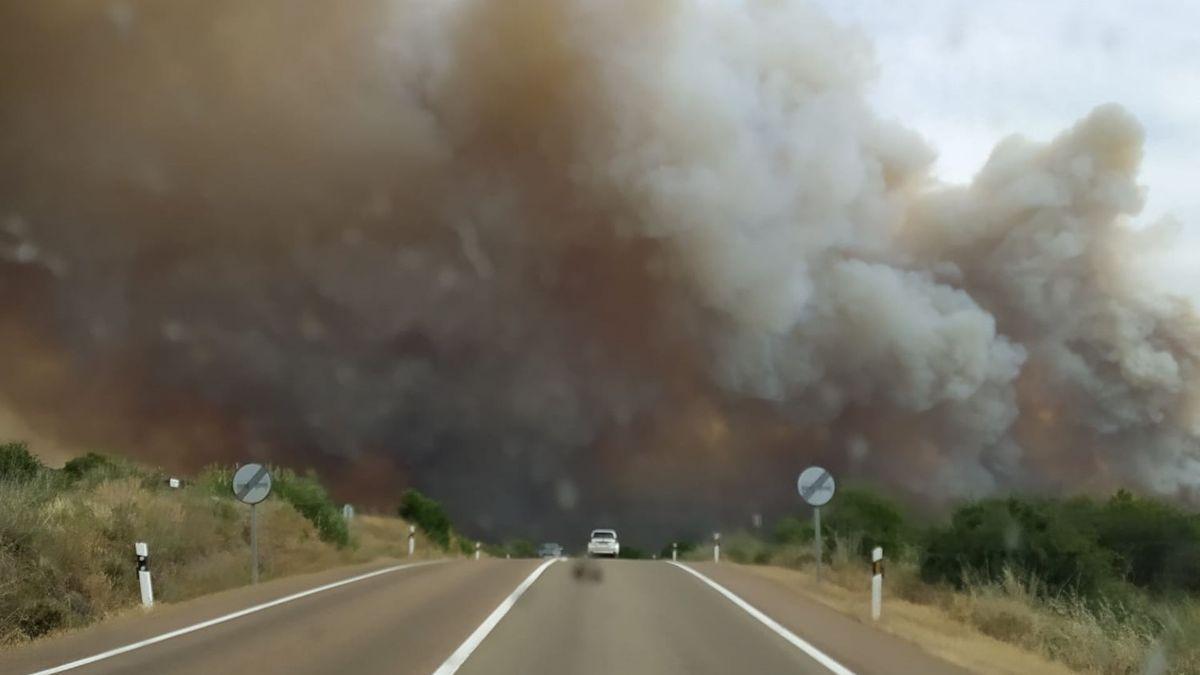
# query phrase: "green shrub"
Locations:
[[428, 515], [632, 553], [793, 530], [466, 546], [520, 548], [304, 492], [307, 495], [98, 468], [17, 464], [1077, 544], [869, 519], [1052, 540], [1156, 542]]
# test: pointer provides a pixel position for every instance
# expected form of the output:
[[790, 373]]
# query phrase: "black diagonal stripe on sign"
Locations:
[[817, 484], [252, 483]]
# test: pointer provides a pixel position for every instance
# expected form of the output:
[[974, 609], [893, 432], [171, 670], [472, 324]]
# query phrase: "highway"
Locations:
[[497, 617]]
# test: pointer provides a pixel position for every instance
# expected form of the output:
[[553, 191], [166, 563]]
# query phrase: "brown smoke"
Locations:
[[561, 261]]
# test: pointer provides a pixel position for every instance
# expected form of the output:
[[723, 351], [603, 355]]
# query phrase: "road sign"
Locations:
[[252, 483], [816, 486]]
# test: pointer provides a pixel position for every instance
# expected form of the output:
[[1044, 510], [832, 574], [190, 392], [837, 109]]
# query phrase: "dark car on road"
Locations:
[[550, 550]]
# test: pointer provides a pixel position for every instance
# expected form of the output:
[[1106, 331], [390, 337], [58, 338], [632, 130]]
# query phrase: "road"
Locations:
[[612, 616]]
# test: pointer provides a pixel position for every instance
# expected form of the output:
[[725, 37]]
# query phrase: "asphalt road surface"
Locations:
[[488, 616]]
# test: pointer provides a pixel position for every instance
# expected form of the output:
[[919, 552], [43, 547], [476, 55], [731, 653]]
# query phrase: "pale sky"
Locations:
[[966, 73]]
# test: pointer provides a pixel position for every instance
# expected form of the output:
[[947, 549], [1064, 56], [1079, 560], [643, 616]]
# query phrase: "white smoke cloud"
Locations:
[[572, 242]]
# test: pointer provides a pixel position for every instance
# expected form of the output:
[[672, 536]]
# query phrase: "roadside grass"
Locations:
[[66, 542], [1003, 626], [1097, 585]]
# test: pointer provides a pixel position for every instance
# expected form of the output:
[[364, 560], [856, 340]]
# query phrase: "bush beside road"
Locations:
[[67, 535], [1099, 586]]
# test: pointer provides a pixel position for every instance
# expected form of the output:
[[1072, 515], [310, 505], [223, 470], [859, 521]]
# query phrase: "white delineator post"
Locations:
[[876, 582], [716, 547], [478, 545], [143, 569], [674, 551], [412, 539]]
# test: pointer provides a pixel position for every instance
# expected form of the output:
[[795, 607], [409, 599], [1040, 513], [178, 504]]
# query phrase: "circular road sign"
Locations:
[[252, 483], [815, 485]]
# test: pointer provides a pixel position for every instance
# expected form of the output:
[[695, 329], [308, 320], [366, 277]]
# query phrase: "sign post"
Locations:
[[876, 582], [251, 485], [816, 487]]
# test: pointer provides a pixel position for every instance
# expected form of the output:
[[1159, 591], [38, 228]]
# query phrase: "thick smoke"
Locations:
[[562, 262]]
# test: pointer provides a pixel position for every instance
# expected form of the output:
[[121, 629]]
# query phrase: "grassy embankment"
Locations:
[[67, 535], [1008, 585]]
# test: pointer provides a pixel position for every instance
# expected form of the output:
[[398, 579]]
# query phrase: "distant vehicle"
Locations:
[[550, 550], [603, 543]]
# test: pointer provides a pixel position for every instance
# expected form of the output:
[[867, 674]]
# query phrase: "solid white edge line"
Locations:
[[796, 641], [464, 651], [222, 619]]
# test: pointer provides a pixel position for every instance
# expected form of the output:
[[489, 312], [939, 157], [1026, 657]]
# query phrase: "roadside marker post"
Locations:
[[674, 551], [251, 485], [478, 545], [876, 582], [412, 540], [142, 553], [816, 487], [716, 547]]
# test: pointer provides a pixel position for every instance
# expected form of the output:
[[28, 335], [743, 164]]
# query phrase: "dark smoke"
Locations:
[[561, 263]]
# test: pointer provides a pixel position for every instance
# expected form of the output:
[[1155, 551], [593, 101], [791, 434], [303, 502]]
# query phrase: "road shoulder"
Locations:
[[909, 637], [137, 624]]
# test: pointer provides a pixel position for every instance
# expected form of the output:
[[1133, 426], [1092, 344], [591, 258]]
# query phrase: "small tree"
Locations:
[[1052, 540], [428, 515], [17, 463], [870, 517], [308, 496]]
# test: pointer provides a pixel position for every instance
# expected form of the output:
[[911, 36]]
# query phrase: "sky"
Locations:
[[966, 73]]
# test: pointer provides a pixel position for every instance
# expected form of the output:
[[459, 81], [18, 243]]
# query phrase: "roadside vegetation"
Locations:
[[67, 535], [429, 516], [1101, 586]]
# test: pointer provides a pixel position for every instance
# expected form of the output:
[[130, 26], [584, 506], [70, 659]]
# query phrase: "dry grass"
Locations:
[[66, 555], [1006, 627]]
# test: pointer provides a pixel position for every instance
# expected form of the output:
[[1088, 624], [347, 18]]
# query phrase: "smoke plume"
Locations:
[[563, 262]]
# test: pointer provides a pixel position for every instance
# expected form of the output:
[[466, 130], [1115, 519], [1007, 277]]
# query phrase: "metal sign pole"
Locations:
[[254, 543], [816, 487], [251, 485], [817, 539]]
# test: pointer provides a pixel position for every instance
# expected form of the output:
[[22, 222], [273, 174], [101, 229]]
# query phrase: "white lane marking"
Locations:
[[796, 641], [222, 619], [464, 651]]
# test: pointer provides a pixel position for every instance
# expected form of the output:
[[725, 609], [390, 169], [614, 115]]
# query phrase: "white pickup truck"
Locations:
[[603, 543]]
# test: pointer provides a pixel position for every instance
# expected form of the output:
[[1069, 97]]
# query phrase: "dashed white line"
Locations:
[[464, 651], [796, 641], [222, 619]]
